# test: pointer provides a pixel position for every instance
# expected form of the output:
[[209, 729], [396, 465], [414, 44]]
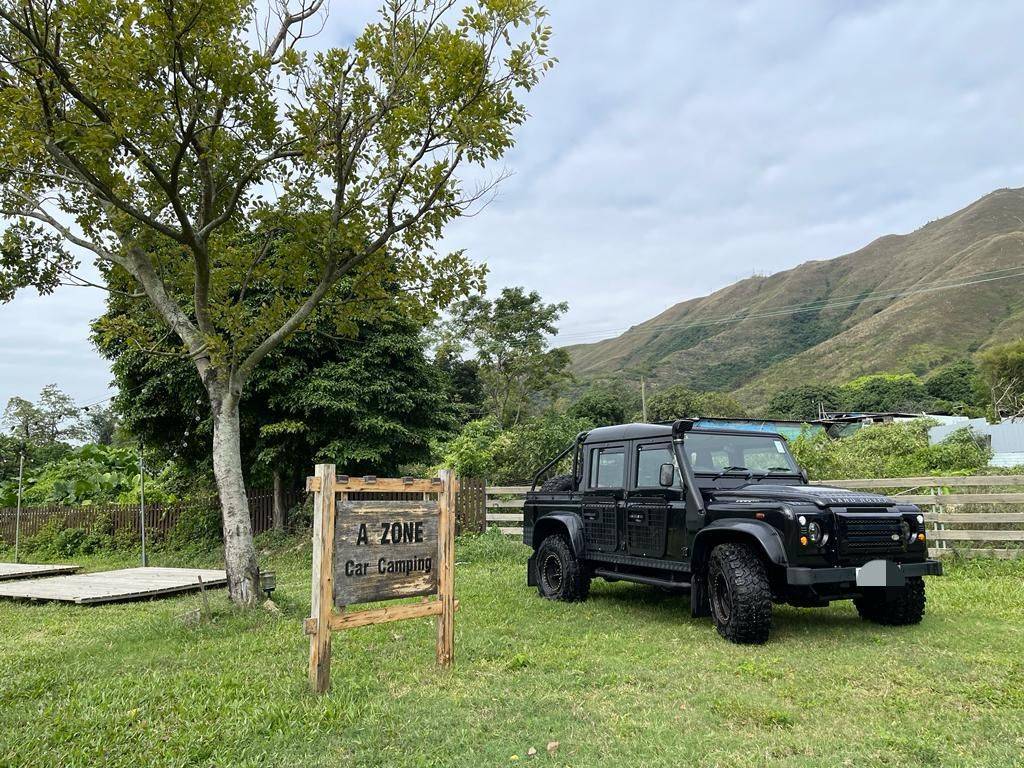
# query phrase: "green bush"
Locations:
[[471, 452], [513, 455], [300, 517], [198, 525], [68, 542], [519, 452], [90, 474], [43, 542], [889, 450]]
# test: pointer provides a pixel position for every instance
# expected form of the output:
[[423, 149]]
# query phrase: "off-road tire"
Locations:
[[899, 608], [741, 598], [560, 576], [557, 484]]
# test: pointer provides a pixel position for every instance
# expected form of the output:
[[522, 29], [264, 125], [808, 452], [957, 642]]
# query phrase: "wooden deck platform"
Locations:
[[11, 571], [113, 586]]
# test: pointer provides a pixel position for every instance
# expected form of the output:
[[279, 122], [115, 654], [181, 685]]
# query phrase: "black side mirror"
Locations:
[[667, 475], [804, 476]]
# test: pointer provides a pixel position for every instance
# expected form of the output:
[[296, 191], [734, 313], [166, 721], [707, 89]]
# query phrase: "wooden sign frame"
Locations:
[[328, 488]]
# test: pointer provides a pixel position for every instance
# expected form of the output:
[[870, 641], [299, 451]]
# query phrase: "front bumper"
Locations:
[[876, 573]]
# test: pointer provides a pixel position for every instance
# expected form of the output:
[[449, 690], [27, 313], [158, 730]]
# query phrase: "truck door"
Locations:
[[654, 511], [603, 496]]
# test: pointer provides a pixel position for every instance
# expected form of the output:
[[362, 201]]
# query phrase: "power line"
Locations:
[[830, 303]]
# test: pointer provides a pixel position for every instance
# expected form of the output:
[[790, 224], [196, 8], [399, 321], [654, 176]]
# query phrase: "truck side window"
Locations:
[[649, 459], [607, 468]]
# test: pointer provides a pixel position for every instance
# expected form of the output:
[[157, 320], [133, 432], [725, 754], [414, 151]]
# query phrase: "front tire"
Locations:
[[741, 597], [900, 607], [560, 575]]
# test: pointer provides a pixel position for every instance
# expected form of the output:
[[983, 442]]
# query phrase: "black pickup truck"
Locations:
[[728, 515]]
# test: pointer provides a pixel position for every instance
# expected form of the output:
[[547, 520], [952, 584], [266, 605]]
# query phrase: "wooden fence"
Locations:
[[162, 518], [970, 516], [123, 519]]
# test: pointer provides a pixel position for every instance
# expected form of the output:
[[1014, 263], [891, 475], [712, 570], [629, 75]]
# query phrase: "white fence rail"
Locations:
[[962, 523]]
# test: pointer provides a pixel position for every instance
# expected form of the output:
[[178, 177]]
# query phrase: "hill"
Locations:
[[876, 309]]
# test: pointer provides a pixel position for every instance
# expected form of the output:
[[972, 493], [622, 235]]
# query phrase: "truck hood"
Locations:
[[820, 495]]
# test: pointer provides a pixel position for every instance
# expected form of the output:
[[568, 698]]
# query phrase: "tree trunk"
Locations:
[[278, 501], [239, 549]]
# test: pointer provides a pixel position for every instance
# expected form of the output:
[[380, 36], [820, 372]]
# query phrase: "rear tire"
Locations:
[[560, 576], [900, 607], [741, 597]]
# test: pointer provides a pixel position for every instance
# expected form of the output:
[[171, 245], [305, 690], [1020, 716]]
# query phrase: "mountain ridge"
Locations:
[[871, 310]]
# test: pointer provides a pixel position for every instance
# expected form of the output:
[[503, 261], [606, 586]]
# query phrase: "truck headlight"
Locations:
[[814, 532]]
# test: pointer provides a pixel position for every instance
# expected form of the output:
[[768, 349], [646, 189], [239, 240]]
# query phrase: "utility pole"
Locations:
[[142, 501], [17, 515], [643, 397]]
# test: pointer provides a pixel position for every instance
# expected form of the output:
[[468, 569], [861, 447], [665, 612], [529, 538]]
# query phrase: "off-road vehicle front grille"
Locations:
[[861, 534]]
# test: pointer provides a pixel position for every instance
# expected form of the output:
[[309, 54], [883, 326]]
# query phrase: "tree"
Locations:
[[369, 403], [54, 419], [679, 402], [509, 336], [954, 383], [101, 423], [512, 456], [1002, 371], [150, 137], [606, 403], [885, 392], [804, 401], [465, 387]]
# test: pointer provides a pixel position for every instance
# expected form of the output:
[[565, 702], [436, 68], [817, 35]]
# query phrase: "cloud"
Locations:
[[678, 147]]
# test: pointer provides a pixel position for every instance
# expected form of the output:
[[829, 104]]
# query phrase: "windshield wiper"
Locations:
[[777, 471], [727, 470]]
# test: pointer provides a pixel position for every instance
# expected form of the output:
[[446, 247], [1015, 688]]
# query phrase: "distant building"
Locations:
[[1005, 438]]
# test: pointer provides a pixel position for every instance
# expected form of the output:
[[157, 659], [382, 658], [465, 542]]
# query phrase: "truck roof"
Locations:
[[635, 431], [640, 431]]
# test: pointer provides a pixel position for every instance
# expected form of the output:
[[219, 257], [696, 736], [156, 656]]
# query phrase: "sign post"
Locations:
[[371, 549]]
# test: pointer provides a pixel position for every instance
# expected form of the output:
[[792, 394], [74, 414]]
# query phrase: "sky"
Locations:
[[680, 146]]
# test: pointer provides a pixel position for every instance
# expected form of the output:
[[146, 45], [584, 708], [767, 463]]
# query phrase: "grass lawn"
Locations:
[[626, 678]]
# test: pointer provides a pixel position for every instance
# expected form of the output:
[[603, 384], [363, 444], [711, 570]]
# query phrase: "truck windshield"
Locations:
[[760, 454]]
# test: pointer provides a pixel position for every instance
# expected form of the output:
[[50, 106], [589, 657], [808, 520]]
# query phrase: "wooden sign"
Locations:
[[384, 550], [369, 550]]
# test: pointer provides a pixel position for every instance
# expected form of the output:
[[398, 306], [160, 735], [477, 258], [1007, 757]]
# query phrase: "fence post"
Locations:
[[446, 569], [17, 516], [482, 507], [941, 509], [324, 506], [142, 501]]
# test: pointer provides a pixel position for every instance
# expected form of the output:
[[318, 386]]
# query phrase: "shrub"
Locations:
[[889, 450], [511, 455], [68, 542], [198, 525], [519, 452], [43, 541], [471, 452], [300, 517]]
